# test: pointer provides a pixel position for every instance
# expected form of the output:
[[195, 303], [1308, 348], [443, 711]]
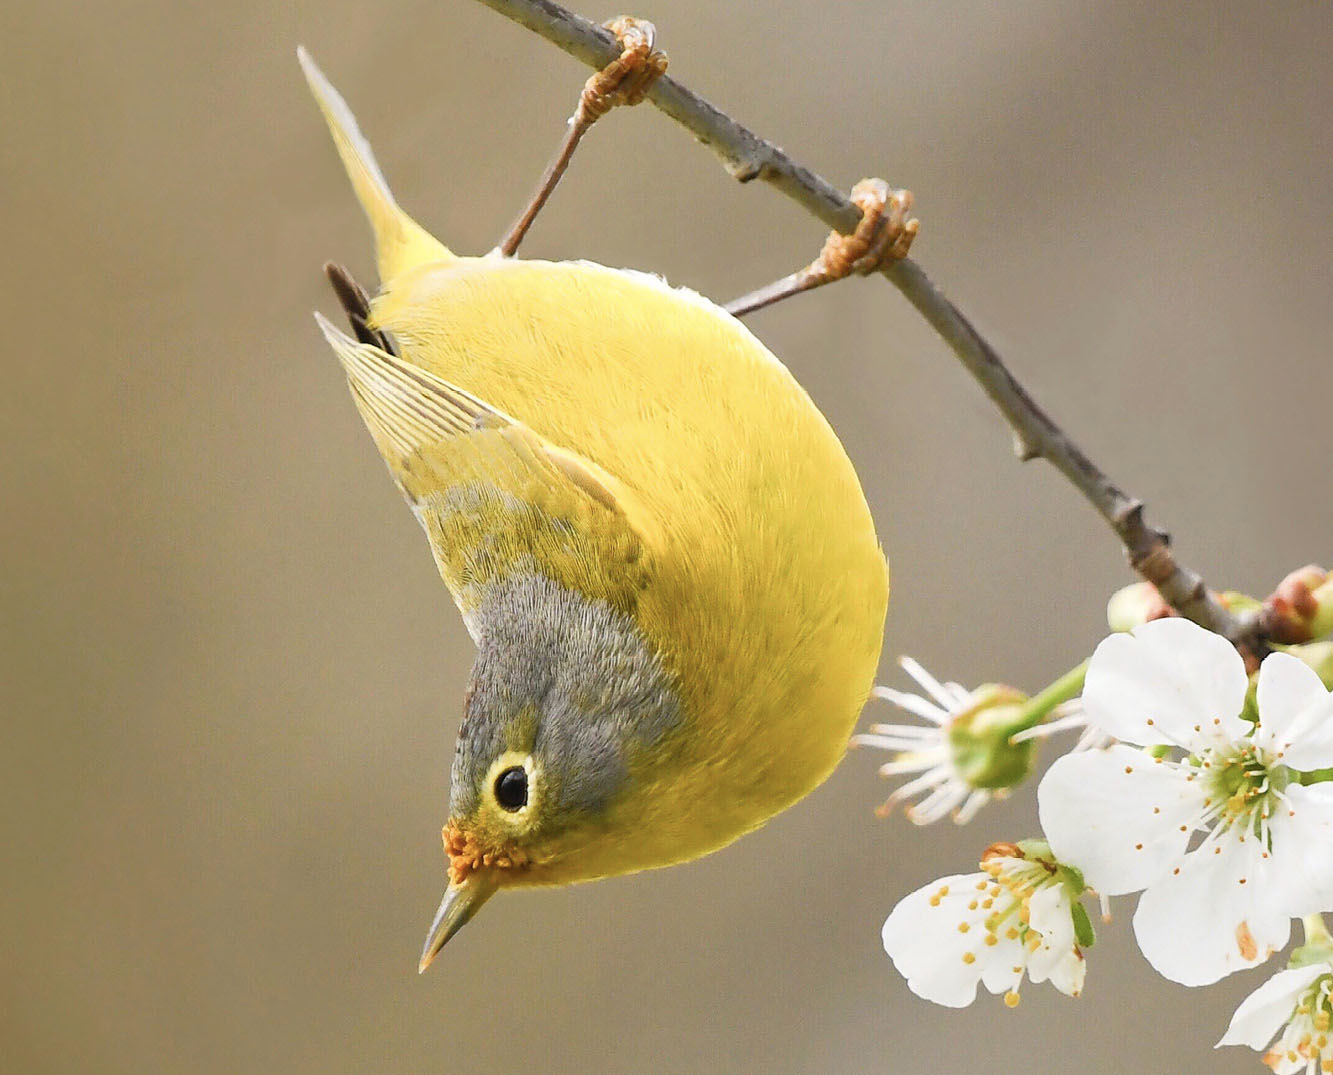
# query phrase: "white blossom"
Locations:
[[946, 757], [1209, 823], [1015, 917], [1293, 1006]]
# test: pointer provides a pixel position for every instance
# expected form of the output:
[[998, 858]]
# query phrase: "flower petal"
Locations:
[[1067, 975], [1049, 915], [1005, 962], [1302, 838], [1215, 915], [1169, 682], [1266, 1011], [1295, 713], [923, 938], [1118, 815]]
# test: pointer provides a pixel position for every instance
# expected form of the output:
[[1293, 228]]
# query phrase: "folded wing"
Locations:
[[495, 498]]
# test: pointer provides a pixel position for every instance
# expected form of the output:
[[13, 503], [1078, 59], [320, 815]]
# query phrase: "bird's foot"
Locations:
[[627, 78], [883, 235]]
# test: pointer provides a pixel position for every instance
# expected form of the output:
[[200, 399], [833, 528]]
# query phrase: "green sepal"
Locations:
[[1250, 710], [1318, 946], [1036, 850], [1072, 877], [1307, 954], [979, 739], [1084, 934]]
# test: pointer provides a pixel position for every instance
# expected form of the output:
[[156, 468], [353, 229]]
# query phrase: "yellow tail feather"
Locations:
[[400, 242]]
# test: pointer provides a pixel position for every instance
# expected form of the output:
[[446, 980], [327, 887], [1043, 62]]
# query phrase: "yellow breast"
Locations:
[[772, 591]]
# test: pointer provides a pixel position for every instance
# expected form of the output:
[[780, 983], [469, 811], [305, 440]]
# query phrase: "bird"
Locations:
[[656, 541]]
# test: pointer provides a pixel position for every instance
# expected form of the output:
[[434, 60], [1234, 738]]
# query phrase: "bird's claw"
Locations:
[[883, 235], [627, 78]]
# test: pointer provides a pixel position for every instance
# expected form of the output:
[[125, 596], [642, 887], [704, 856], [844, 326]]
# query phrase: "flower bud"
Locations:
[[980, 739], [1135, 605], [1321, 620], [1301, 608]]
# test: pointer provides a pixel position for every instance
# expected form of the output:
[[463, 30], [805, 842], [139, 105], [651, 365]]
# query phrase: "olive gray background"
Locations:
[[231, 677]]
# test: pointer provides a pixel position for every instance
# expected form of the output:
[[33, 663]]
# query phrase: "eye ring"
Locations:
[[511, 789]]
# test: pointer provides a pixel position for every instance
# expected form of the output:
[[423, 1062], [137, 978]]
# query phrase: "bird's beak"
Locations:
[[460, 903]]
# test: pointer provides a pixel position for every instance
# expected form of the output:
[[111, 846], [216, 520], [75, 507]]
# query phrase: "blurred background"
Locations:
[[231, 678]]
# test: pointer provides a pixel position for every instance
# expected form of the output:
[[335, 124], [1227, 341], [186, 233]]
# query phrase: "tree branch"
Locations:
[[747, 157]]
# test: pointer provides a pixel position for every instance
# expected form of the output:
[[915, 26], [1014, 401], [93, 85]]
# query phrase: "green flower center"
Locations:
[[1246, 788]]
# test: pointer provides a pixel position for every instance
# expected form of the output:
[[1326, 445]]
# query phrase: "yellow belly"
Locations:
[[770, 607]]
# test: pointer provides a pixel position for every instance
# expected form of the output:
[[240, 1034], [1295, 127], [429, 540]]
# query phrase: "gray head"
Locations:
[[565, 694]]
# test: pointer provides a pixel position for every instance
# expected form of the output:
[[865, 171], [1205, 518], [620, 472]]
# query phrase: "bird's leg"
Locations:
[[884, 235], [624, 81]]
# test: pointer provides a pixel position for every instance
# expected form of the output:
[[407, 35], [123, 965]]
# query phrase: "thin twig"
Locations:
[[747, 156]]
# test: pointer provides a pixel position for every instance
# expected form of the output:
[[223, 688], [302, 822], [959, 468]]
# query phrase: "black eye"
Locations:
[[511, 788]]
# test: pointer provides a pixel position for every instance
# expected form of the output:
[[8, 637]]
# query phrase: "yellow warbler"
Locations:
[[655, 539]]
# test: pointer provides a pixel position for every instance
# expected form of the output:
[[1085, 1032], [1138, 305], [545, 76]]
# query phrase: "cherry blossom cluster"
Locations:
[[1203, 790]]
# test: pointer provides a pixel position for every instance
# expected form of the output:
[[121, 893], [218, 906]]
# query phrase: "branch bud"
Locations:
[[1301, 608]]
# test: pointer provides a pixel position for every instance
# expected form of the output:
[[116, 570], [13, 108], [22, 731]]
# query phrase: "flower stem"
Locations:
[[1040, 705]]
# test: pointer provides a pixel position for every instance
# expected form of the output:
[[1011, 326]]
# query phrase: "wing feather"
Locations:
[[494, 497]]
